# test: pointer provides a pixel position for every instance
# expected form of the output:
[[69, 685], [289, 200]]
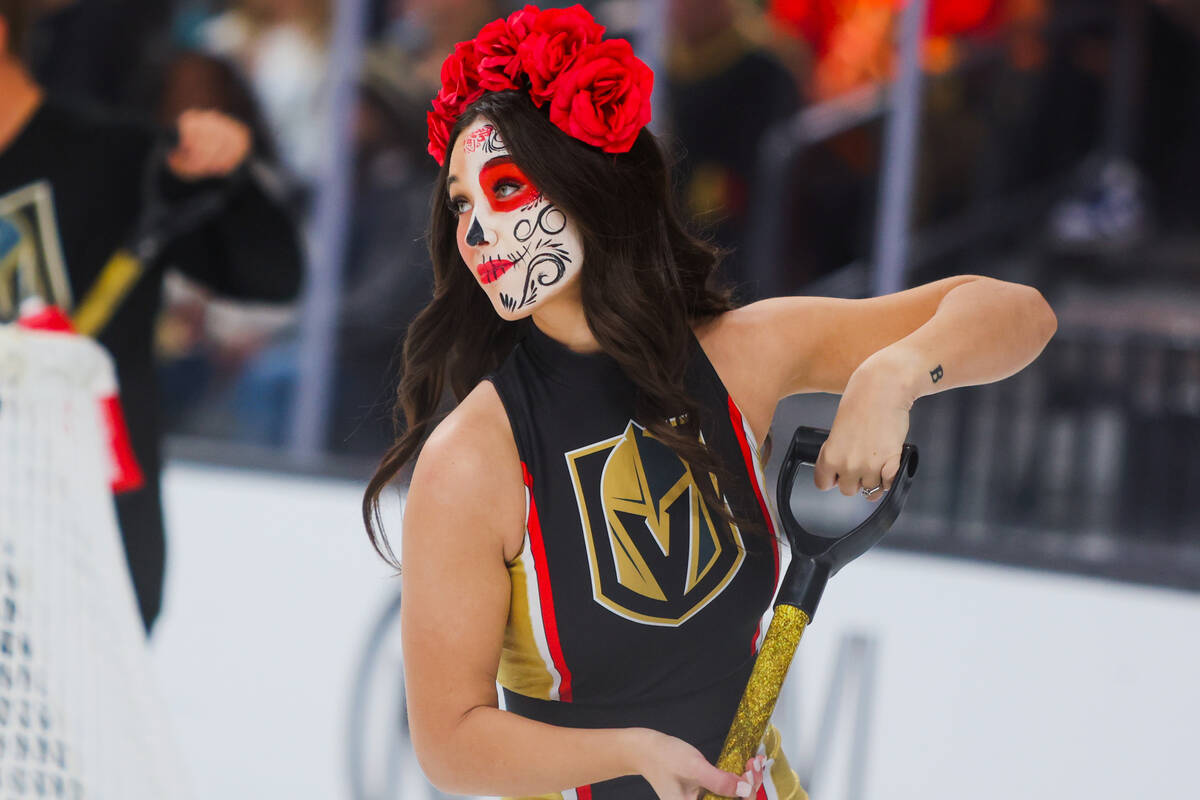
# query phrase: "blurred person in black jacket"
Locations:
[[1172, 111], [726, 87], [96, 51], [89, 172], [202, 350]]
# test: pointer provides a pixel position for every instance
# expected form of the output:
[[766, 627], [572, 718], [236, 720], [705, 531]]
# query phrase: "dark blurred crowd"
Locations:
[[1016, 92]]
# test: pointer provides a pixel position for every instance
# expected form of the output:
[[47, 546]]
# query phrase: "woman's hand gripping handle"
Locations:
[[678, 771]]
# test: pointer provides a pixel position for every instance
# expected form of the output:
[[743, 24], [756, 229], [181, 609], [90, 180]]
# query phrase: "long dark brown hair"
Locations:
[[645, 281]]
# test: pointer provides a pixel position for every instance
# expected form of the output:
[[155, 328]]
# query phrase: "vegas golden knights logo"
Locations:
[[657, 553]]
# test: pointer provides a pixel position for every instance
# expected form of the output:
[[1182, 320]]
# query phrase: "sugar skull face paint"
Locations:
[[521, 247]]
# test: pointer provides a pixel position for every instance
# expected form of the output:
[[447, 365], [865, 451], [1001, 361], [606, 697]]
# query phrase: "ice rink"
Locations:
[[985, 682]]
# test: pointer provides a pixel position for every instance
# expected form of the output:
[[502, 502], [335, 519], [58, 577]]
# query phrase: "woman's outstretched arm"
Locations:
[[880, 354], [464, 519], [977, 329]]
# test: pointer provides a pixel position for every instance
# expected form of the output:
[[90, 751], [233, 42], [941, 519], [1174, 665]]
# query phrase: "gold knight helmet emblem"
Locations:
[[658, 555]]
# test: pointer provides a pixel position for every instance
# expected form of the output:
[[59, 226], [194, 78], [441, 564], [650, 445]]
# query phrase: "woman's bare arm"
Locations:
[[978, 329], [463, 520], [880, 354]]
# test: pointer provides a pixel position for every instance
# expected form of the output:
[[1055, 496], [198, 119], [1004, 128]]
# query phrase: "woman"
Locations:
[[587, 526]]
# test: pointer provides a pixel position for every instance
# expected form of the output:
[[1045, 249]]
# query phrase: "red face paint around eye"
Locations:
[[503, 176]]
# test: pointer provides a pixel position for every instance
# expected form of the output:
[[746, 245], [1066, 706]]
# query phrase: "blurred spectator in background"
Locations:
[[853, 40], [822, 201], [101, 176], [264, 61], [97, 51], [387, 277], [830, 208], [1170, 144], [725, 88], [426, 30], [193, 79], [1159, 150], [202, 342], [281, 46]]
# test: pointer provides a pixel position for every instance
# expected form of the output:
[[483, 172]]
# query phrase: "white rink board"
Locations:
[[271, 588], [998, 683], [992, 682]]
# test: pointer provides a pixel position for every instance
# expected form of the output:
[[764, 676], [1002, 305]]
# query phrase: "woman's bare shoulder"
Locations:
[[470, 466], [478, 424], [735, 349], [735, 331]]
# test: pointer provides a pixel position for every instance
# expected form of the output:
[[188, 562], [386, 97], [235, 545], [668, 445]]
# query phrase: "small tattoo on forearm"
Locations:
[[936, 373]]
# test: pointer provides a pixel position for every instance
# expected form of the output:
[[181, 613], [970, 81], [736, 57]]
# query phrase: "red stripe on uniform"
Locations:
[[735, 417], [549, 623], [584, 792]]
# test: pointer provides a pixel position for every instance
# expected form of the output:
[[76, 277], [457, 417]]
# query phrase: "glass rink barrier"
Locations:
[[1083, 462]]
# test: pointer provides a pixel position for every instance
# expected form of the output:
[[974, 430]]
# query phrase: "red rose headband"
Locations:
[[598, 91]]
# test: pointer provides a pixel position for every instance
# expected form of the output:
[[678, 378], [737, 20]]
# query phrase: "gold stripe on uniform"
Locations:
[[522, 669], [787, 782]]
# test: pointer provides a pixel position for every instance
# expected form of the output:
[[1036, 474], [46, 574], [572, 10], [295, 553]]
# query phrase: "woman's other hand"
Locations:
[[678, 771]]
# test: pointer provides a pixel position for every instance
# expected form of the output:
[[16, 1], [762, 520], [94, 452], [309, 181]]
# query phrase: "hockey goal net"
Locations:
[[79, 717]]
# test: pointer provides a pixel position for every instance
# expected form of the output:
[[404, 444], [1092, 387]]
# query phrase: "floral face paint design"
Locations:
[[521, 247]]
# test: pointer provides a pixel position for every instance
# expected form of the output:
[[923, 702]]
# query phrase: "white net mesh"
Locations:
[[79, 714]]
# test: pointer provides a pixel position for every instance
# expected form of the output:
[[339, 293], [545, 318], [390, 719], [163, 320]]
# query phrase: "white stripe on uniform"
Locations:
[[533, 597]]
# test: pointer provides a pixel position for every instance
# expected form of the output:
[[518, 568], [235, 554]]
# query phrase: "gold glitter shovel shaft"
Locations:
[[758, 701], [815, 559]]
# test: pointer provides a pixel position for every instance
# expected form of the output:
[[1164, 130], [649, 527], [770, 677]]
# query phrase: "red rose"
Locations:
[[520, 22], [496, 48], [454, 104], [440, 121], [460, 75], [557, 38], [446, 111], [439, 136], [460, 88], [604, 99]]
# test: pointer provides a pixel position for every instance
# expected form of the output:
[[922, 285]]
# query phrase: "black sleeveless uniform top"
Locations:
[[633, 604]]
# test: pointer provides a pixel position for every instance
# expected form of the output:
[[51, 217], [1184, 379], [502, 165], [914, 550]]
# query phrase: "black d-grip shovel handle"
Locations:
[[815, 559]]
